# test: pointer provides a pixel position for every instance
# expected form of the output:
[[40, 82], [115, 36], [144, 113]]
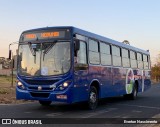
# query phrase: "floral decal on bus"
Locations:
[[129, 81]]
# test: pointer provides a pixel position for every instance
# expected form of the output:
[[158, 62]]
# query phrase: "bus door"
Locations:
[[80, 70]]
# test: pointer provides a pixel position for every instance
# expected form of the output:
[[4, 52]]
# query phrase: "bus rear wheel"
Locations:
[[45, 103], [93, 98], [133, 95]]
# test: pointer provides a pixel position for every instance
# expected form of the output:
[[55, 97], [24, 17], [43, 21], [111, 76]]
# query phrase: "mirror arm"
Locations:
[[76, 44]]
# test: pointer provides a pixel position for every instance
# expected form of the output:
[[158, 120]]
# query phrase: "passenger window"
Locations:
[[93, 52], [82, 54], [133, 60], [105, 54], [139, 59], [115, 51], [145, 58], [145, 61], [105, 48], [125, 53], [116, 56], [132, 55], [125, 58], [149, 64], [93, 45]]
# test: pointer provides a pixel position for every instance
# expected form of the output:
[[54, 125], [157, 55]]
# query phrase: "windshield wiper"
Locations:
[[48, 48]]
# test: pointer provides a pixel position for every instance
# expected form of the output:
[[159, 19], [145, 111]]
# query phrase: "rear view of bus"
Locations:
[[44, 65]]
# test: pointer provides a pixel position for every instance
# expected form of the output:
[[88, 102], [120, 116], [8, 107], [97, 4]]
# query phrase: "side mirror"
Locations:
[[76, 45], [10, 53]]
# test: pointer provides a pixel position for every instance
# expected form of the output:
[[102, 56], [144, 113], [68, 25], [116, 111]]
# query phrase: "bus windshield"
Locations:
[[44, 59]]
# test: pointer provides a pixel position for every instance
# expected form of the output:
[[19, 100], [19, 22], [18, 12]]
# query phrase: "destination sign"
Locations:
[[45, 35]]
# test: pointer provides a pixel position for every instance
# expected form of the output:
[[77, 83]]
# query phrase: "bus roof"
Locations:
[[94, 36]]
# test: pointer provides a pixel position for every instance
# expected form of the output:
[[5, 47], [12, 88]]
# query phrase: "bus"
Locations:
[[68, 64]]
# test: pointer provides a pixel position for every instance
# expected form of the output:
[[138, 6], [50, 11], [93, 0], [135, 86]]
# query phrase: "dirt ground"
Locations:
[[8, 96], [7, 91]]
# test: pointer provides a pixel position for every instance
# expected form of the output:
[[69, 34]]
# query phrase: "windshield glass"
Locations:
[[44, 59]]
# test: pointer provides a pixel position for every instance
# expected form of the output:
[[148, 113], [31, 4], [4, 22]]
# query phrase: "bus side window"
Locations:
[[133, 60], [93, 52], [105, 54], [116, 55], [149, 62], [145, 61], [125, 58], [140, 60], [82, 53]]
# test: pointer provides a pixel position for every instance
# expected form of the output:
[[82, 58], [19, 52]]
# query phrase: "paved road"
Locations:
[[147, 105]]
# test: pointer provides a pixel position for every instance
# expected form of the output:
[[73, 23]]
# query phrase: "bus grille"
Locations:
[[40, 82], [43, 88], [43, 95]]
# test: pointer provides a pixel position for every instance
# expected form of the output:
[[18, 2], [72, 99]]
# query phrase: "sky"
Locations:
[[137, 21]]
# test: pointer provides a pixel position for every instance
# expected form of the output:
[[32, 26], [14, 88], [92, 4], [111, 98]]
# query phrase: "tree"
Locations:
[[126, 42], [158, 60], [155, 70]]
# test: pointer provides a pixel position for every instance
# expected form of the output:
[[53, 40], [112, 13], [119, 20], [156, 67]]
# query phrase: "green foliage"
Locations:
[[155, 72]]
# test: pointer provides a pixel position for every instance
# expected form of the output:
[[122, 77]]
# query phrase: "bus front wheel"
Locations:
[[45, 103], [93, 98]]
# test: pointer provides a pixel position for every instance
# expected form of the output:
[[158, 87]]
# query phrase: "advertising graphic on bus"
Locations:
[[68, 64]]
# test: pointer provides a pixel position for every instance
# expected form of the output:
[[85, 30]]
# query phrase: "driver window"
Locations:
[[81, 54]]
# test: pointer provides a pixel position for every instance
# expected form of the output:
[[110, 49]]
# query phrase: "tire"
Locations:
[[45, 103], [93, 98], [134, 93]]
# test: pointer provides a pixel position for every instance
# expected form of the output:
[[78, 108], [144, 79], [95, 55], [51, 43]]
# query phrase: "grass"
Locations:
[[4, 91], [7, 92], [7, 79], [5, 84]]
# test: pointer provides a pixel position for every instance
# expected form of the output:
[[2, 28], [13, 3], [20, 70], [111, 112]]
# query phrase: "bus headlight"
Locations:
[[20, 85], [64, 85]]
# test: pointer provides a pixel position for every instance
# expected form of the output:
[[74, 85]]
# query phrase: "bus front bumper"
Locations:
[[57, 96]]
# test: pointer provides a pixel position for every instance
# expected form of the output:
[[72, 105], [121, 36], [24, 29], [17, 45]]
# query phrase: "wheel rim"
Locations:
[[93, 97]]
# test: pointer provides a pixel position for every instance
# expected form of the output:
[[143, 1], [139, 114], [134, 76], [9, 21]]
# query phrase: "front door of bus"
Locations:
[[81, 72]]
